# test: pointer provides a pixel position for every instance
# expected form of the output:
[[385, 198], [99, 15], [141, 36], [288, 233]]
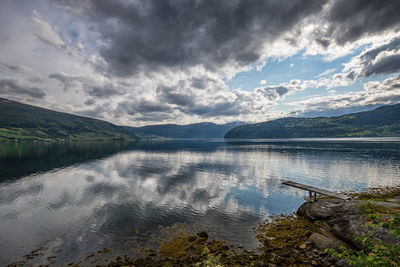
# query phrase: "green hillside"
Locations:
[[383, 121], [194, 130], [25, 122]]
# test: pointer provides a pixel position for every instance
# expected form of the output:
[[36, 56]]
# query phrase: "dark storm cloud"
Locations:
[[350, 20], [95, 111], [89, 86], [371, 54], [90, 101], [144, 110], [199, 83], [199, 40], [384, 65], [24, 70], [274, 92], [15, 67], [170, 96], [147, 110], [103, 91], [152, 117], [150, 34], [65, 80], [383, 59], [146, 35], [144, 106], [388, 84], [225, 108], [352, 75], [16, 87]]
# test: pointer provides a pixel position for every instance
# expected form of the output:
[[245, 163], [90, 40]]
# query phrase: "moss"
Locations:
[[370, 207], [377, 215], [282, 237], [378, 194], [177, 248]]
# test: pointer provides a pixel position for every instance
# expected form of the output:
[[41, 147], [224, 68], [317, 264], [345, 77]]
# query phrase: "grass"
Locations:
[[375, 252], [23, 122], [20, 134], [377, 194]]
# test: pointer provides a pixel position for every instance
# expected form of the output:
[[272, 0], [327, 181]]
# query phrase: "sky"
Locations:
[[141, 62]]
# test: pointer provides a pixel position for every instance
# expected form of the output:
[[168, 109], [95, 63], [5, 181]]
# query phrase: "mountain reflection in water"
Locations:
[[86, 196]]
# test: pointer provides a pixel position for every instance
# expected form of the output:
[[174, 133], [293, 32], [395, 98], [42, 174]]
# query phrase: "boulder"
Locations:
[[323, 242], [339, 221]]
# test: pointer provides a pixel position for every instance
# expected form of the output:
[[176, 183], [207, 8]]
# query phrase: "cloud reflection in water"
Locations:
[[228, 188]]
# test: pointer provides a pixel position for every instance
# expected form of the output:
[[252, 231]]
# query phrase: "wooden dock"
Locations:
[[313, 191]]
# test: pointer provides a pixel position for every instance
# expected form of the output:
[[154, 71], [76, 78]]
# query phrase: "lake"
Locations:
[[76, 198]]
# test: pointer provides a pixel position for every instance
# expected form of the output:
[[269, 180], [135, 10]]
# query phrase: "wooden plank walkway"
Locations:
[[316, 191]]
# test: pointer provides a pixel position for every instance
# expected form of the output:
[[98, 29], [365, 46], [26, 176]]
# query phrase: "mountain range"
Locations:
[[25, 122], [192, 131], [382, 121]]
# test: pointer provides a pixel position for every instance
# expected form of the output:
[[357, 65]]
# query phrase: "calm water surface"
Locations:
[[81, 197]]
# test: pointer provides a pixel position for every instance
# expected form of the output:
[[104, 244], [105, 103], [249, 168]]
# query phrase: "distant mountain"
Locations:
[[25, 122], [189, 131], [383, 121]]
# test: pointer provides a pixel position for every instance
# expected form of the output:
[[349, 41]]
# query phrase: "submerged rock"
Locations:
[[203, 235]]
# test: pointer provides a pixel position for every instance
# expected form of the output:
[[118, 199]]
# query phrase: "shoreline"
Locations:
[[327, 232]]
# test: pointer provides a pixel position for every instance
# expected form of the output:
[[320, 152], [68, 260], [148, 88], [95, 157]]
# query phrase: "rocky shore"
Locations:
[[339, 222], [364, 231]]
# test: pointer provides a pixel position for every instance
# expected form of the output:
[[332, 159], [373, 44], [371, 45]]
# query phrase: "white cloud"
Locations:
[[26, 71], [17, 87], [326, 72], [45, 32], [374, 94], [80, 82]]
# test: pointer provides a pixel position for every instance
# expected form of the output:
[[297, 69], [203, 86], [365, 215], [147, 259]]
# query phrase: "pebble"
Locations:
[[310, 254], [331, 259], [323, 253], [203, 235]]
